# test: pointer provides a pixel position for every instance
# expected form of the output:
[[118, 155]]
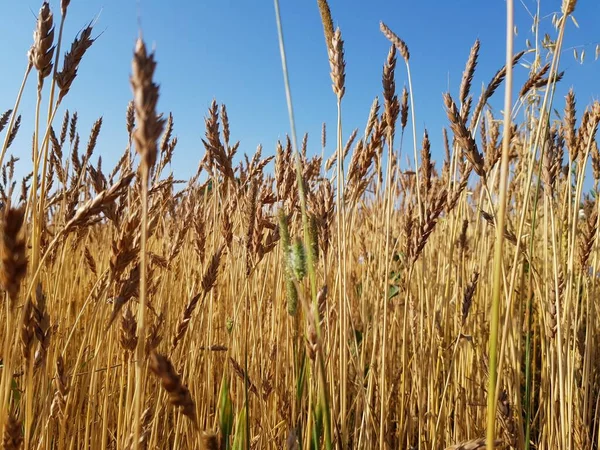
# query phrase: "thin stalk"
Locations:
[[386, 285], [414, 131], [341, 235], [13, 116], [498, 249], [529, 316], [141, 319]]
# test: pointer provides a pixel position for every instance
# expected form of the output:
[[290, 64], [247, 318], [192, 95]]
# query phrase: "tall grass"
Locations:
[[307, 299]]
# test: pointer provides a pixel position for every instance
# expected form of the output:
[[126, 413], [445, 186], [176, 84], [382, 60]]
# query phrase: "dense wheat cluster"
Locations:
[[297, 301]]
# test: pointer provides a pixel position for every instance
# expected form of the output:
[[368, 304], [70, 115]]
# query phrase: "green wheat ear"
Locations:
[[292, 296], [298, 259]]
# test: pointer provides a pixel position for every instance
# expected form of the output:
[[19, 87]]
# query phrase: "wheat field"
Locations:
[[324, 296]]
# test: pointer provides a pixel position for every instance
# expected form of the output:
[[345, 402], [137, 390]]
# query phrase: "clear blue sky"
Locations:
[[228, 50]]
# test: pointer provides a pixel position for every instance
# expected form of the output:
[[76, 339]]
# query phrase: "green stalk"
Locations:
[[310, 262], [498, 248]]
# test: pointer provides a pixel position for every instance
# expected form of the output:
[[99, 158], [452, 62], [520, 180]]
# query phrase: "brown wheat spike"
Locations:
[[64, 78], [588, 128], [215, 152], [311, 340], [404, 108], [569, 125], [97, 204], [14, 131], [64, 128], [431, 219], [209, 441], [595, 155], [468, 296], [462, 237], [209, 277], [492, 87], [394, 39], [327, 22], [349, 142], [27, 331], [568, 7], [179, 395], [588, 238], [548, 168], [185, 320], [467, 78], [492, 149], [64, 5], [241, 373], [146, 430], [154, 337], [337, 64], [92, 141], [127, 335], [250, 215], [42, 51], [166, 138], [426, 165], [145, 91], [464, 137], [73, 127], [389, 86], [544, 81], [41, 326], [130, 117], [388, 79], [372, 120], [12, 252], [556, 297], [62, 385], [199, 232], [226, 128], [12, 438], [533, 80], [227, 225], [4, 119]]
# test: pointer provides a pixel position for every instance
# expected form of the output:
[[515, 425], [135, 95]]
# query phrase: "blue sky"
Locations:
[[228, 50]]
